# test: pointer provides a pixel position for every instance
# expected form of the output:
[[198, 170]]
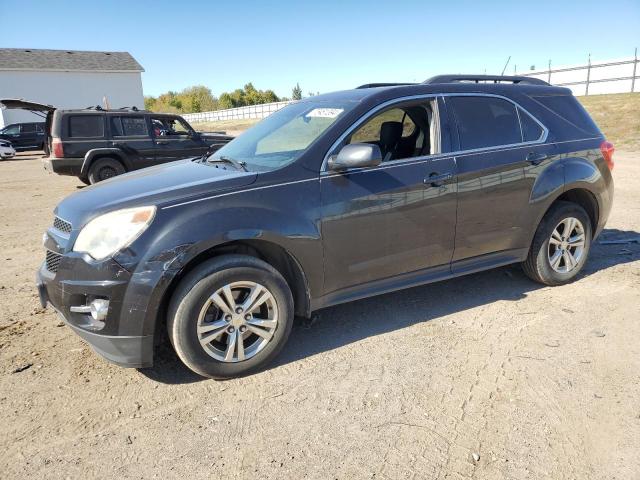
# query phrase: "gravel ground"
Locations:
[[486, 376]]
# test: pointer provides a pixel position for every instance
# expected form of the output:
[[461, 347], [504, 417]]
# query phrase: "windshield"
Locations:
[[283, 136]]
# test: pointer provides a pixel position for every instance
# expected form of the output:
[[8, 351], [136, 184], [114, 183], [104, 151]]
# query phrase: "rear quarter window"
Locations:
[[86, 126], [569, 109]]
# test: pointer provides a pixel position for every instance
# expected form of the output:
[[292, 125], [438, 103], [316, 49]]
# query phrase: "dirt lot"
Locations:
[[487, 376]]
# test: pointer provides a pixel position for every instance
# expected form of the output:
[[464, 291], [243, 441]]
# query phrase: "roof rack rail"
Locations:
[[374, 85], [485, 79]]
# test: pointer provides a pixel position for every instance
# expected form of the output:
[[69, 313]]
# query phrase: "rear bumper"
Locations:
[[63, 166]]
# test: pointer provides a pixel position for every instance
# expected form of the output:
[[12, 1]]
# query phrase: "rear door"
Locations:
[[29, 137], [131, 134], [494, 213]]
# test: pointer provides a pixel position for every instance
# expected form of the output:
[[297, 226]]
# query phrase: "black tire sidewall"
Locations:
[[185, 310], [546, 273], [94, 170]]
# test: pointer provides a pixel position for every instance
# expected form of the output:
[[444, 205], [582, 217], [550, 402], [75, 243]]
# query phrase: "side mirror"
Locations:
[[356, 155]]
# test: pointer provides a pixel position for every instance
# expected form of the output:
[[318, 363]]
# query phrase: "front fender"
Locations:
[[180, 235]]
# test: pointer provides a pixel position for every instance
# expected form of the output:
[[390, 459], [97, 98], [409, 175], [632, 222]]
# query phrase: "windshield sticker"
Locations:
[[324, 113]]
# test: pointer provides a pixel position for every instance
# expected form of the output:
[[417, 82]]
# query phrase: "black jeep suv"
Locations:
[[331, 199], [95, 144]]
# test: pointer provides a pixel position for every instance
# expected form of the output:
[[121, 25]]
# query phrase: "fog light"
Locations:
[[99, 309]]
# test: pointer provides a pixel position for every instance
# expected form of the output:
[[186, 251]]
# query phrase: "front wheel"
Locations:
[[560, 246], [230, 316]]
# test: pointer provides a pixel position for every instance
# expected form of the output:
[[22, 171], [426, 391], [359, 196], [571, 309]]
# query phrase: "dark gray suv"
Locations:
[[331, 199]]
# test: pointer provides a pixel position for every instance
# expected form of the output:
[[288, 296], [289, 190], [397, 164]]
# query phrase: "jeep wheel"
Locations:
[[230, 316], [105, 168], [560, 246]]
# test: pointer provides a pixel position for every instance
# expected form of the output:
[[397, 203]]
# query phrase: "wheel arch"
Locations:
[[270, 252], [97, 153]]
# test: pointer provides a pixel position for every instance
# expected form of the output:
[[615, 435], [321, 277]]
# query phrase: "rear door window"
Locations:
[[129, 126], [485, 122], [28, 128], [86, 126]]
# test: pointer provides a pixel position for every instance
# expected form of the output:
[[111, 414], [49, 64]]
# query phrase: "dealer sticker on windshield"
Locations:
[[324, 113]]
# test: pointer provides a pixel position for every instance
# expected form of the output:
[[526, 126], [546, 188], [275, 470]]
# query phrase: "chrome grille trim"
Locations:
[[52, 261], [62, 225]]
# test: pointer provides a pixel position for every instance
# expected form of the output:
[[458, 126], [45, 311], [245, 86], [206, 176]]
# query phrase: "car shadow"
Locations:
[[351, 322]]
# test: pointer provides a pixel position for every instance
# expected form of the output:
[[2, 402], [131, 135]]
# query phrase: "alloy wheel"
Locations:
[[237, 321], [566, 245]]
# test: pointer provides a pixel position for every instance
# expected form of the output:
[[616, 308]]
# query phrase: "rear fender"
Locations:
[[91, 156]]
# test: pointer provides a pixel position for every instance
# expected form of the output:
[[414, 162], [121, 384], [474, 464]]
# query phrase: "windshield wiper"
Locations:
[[239, 165]]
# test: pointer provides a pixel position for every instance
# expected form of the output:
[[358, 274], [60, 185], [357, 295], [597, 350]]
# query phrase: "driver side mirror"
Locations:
[[356, 155]]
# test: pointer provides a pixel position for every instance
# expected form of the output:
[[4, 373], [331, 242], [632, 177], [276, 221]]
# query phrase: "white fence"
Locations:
[[250, 111], [592, 78]]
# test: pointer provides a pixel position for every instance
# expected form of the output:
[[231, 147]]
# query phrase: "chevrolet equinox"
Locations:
[[333, 198]]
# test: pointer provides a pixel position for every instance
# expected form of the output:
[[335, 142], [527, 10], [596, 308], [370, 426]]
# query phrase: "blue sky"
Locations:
[[325, 45]]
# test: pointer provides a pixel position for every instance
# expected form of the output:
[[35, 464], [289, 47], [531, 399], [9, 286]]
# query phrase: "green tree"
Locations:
[[296, 93]]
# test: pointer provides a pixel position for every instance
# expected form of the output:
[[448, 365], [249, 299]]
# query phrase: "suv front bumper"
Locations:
[[120, 339]]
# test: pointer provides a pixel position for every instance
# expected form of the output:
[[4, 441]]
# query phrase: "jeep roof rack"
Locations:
[[374, 85], [485, 79]]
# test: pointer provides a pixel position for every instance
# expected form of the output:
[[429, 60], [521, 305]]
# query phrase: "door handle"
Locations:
[[437, 180], [536, 158], [162, 142]]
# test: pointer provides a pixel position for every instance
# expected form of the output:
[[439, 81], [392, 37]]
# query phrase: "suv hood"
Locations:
[[161, 185]]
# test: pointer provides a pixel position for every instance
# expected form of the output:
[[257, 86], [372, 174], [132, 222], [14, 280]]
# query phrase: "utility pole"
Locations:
[[586, 92], [635, 67]]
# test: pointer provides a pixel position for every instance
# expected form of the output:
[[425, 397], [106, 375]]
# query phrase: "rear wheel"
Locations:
[[560, 246], [230, 316], [105, 168]]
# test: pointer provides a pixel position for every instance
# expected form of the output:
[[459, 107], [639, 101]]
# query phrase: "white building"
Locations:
[[68, 79]]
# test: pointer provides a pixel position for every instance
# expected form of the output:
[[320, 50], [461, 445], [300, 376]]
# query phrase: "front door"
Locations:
[[175, 139], [393, 219]]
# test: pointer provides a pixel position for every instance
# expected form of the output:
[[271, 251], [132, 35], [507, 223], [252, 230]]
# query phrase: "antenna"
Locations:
[[505, 65]]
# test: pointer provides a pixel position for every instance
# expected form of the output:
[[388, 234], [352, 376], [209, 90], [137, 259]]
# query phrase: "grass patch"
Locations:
[[617, 115], [232, 127]]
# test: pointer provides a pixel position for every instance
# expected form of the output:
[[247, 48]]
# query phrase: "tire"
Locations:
[[105, 168], [546, 262], [84, 180], [191, 312]]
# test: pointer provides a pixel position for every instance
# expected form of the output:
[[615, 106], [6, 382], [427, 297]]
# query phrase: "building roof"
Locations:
[[67, 60]]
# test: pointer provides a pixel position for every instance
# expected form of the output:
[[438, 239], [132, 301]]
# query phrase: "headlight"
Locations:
[[105, 235]]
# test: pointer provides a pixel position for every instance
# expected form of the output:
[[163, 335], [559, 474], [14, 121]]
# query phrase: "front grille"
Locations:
[[52, 261], [62, 225]]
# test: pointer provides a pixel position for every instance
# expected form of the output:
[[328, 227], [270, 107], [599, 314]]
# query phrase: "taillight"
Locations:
[[607, 150], [58, 151]]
